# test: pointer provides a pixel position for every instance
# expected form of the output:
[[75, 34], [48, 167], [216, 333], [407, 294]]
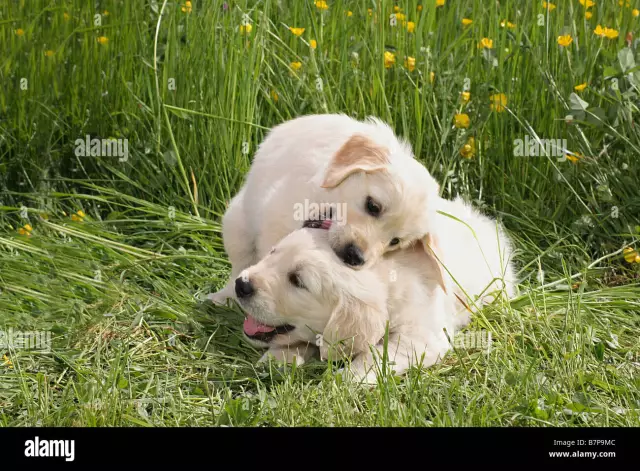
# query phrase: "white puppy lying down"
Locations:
[[301, 289], [360, 170]]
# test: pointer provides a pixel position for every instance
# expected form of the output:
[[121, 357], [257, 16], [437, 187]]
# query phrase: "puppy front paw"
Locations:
[[299, 354], [220, 298]]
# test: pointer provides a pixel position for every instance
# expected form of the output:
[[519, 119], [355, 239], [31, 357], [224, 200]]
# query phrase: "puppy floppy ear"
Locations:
[[432, 249], [358, 154], [354, 325]]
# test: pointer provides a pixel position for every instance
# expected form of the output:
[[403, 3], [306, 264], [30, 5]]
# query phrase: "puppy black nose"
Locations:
[[244, 288], [352, 255]]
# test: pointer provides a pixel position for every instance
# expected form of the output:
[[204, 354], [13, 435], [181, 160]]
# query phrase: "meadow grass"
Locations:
[[120, 284]]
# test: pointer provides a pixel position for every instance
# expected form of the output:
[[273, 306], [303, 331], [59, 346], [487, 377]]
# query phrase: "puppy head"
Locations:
[[301, 292], [390, 199]]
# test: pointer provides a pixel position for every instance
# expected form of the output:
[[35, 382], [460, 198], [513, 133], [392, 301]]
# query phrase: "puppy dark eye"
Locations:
[[372, 206], [394, 241], [295, 280]]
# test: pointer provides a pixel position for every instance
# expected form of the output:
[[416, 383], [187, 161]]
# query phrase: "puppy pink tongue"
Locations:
[[252, 326]]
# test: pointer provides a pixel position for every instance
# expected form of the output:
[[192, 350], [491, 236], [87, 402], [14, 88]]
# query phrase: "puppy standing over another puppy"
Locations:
[[333, 159]]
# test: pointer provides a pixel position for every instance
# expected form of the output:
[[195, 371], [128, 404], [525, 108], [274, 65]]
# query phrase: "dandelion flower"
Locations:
[[103, 40], [410, 63], [389, 59], [466, 21], [461, 121], [468, 151], [485, 43], [565, 40], [581, 87], [296, 31], [498, 102]]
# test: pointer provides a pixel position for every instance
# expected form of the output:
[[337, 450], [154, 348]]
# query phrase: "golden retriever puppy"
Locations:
[[301, 295], [359, 174]]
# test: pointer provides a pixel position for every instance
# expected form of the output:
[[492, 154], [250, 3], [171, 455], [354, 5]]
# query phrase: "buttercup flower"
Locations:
[[103, 40], [466, 21], [485, 43], [321, 5], [296, 31], [581, 87], [389, 59], [419, 7], [106, 13], [461, 121], [635, 12], [587, 3], [313, 43], [187, 7], [410, 63], [245, 29], [25, 230], [19, 32], [411, 26], [274, 95], [296, 65], [349, 13], [548, 6], [78, 216], [466, 96], [507, 24], [66, 16], [49, 53], [605, 32], [565, 40], [631, 255], [432, 77], [468, 151], [498, 102], [7, 362], [588, 15], [573, 157], [440, 3]]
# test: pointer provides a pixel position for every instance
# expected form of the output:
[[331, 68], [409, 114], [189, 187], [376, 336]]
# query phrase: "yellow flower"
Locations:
[[296, 65], [7, 362], [548, 6], [396, 8], [187, 7], [588, 15], [432, 77], [581, 87], [49, 53], [466, 21], [389, 59], [349, 13], [468, 150], [498, 102], [605, 32], [274, 95], [565, 40], [485, 43], [296, 31], [78, 216], [507, 24], [370, 11], [440, 3], [106, 13], [631, 256], [66, 16], [103, 40], [245, 29], [25, 230], [313, 43], [466, 96], [401, 17], [419, 7], [627, 3], [321, 5], [635, 12], [410, 63], [587, 3], [19, 32], [461, 120], [411, 26], [573, 157]]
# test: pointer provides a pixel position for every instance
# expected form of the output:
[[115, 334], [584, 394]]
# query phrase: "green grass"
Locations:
[[121, 288]]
